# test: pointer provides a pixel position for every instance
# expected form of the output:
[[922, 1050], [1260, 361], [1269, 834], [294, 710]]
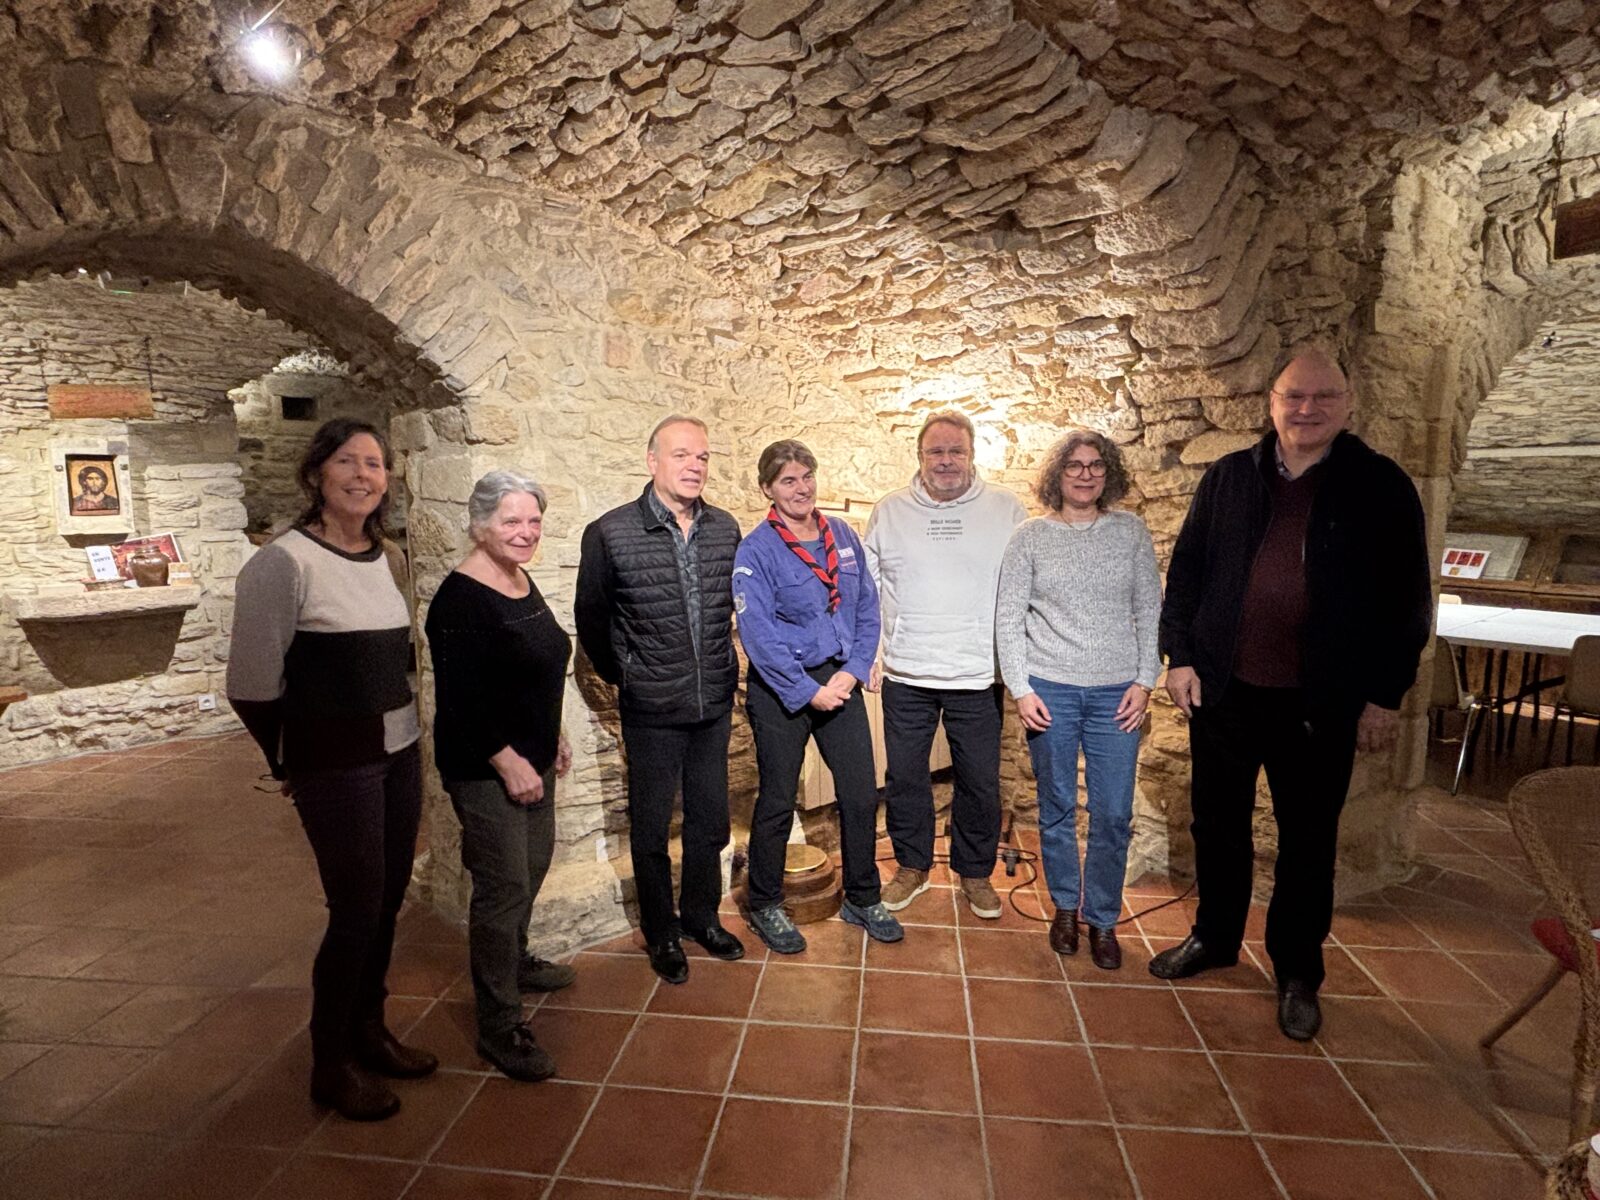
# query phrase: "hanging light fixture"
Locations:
[[268, 50], [270, 54]]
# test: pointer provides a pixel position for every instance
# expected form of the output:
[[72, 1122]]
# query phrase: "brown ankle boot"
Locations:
[[1064, 932], [1103, 948], [380, 1052], [352, 1092]]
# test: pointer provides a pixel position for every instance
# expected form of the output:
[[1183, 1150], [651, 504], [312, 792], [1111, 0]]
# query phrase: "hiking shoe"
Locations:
[[773, 926], [875, 919], [535, 974], [516, 1054], [907, 884], [981, 898]]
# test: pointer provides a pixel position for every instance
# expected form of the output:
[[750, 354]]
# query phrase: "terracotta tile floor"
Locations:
[[158, 916]]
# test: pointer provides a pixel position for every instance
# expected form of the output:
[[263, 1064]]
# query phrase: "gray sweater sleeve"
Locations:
[[266, 609], [1011, 612], [1147, 608]]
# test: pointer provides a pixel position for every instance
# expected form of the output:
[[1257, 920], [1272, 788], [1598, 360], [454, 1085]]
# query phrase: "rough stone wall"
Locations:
[[1156, 275], [120, 682], [270, 445], [1545, 397]]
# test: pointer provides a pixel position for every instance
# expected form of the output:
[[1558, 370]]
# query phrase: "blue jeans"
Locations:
[[1084, 716]]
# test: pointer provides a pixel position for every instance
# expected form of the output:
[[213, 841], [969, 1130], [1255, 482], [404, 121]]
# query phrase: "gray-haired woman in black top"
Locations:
[[500, 666]]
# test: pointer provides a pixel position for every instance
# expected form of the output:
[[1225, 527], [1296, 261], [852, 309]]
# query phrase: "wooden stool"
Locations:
[[811, 890]]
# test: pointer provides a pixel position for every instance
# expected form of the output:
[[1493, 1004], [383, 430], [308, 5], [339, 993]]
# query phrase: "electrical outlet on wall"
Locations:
[[208, 702]]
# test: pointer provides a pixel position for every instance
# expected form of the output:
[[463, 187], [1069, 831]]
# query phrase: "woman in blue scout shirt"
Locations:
[[808, 618]]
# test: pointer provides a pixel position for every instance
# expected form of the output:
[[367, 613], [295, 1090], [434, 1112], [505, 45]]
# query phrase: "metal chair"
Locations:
[[1580, 696], [1450, 694], [1555, 815]]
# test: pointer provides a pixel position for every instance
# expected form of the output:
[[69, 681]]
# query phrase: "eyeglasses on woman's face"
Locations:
[[1095, 469]]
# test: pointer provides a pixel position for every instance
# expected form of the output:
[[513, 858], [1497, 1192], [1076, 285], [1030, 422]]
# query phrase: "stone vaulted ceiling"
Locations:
[[978, 169]]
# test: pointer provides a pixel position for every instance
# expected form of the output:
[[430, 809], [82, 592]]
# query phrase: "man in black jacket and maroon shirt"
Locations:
[[1298, 601], [654, 610]]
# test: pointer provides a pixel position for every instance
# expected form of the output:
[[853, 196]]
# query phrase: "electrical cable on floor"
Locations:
[[1028, 858]]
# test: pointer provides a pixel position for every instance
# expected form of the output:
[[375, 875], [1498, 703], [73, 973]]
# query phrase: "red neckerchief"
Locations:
[[830, 575]]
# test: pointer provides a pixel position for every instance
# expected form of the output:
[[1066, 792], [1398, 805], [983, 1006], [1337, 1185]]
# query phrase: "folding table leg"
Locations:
[[1499, 703], [1516, 709]]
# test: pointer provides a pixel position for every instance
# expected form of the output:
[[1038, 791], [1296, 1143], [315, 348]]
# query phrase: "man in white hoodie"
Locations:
[[935, 548]]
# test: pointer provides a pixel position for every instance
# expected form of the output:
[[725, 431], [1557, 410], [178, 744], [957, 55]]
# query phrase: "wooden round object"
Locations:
[[810, 884]]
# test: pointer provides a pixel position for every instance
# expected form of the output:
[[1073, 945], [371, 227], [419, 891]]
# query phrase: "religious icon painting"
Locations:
[[92, 487]]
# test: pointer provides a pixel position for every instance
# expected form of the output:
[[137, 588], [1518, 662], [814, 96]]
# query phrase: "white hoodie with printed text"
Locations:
[[937, 565]]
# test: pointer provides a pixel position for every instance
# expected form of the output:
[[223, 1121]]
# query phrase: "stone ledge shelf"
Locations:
[[102, 605]]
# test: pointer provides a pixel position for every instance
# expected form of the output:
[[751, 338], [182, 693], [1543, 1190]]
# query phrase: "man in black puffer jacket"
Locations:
[[1299, 598], [654, 610]]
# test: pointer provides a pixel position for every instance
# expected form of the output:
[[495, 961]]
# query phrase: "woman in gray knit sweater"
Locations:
[[1075, 627]]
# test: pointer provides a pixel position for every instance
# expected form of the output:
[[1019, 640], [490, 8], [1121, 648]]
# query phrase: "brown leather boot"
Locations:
[[1064, 932], [380, 1052], [352, 1092], [1104, 950]]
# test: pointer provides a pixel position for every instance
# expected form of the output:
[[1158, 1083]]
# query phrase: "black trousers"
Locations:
[[972, 722], [506, 847], [362, 825], [662, 759], [1308, 754], [845, 742]]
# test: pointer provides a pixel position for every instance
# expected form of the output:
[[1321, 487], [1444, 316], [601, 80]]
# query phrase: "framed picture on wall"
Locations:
[[92, 485], [93, 490]]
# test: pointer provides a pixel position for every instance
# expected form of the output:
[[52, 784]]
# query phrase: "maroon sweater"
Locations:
[[1273, 618]]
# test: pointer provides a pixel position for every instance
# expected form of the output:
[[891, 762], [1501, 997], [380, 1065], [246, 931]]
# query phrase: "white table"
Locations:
[[1530, 630], [1502, 631]]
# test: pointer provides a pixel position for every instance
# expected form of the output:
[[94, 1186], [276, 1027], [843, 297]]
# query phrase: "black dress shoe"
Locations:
[[1299, 1013], [668, 960], [1103, 948], [1189, 957], [352, 1093], [1064, 932], [717, 942], [380, 1052]]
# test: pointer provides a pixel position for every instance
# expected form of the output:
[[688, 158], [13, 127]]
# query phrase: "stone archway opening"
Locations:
[[108, 679]]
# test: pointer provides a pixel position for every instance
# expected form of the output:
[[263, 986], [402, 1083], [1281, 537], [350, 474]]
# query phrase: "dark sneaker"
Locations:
[[773, 926], [536, 974], [876, 919], [1299, 1013], [516, 1054], [907, 884]]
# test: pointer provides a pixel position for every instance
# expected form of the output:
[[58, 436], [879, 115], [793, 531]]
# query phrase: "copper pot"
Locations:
[[148, 567]]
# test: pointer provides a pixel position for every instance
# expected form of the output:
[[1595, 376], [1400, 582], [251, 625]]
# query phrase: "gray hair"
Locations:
[[495, 487], [675, 419], [948, 416]]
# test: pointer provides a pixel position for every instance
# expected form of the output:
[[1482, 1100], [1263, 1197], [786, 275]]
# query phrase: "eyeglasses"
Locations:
[[1078, 469], [1320, 399]]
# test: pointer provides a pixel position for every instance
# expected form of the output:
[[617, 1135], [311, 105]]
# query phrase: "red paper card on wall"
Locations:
[[69, 400]]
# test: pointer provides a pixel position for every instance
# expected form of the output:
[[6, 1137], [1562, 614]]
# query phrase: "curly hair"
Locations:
[[1048, 485]]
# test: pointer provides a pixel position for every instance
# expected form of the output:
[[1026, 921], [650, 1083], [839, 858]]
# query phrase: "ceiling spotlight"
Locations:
[[270, 54]]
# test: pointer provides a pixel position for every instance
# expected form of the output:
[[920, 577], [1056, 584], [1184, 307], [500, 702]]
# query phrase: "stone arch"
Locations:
[[530, 330]]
